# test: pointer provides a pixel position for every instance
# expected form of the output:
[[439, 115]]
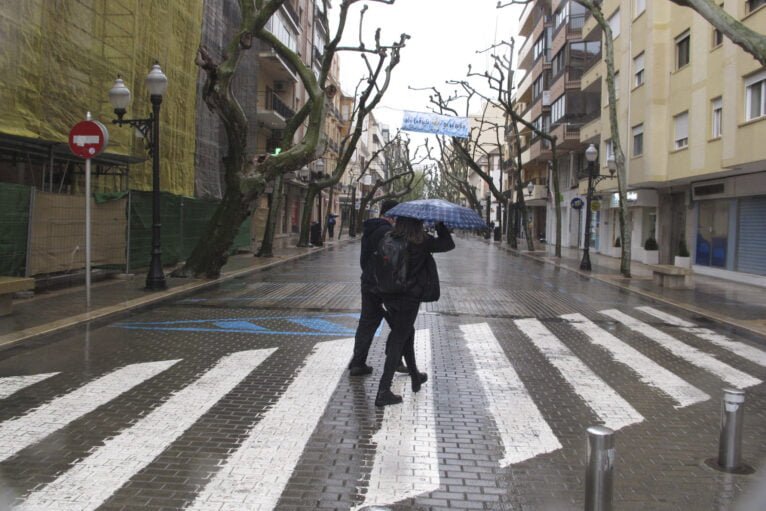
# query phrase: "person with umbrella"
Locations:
[[402, 307]]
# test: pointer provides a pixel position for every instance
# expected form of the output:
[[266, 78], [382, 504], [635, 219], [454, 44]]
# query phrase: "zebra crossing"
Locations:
[[406, 461]]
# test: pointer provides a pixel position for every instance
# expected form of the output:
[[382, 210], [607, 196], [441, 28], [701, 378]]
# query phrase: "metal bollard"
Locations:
[[732, 415], [599, 473]]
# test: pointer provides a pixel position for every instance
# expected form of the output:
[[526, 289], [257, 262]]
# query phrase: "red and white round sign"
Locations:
[[88, 139]]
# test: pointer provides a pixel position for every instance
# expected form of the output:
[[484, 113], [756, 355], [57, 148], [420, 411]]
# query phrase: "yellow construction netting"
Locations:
[[59, 58]]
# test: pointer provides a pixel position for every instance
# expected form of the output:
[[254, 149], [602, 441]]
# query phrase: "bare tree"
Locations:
[[399, 180], [377, 82], [246, 174]]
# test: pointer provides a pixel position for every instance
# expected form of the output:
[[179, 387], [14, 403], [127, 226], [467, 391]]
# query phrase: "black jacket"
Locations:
[[372, 232], [419, 252]]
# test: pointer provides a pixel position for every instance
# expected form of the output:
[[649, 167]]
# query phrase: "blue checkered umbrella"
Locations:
[[437, 210]]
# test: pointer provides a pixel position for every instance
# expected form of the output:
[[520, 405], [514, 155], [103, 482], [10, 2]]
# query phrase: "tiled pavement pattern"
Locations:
[[515, 347]]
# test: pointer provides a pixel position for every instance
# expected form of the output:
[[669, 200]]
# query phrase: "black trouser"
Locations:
[[369, 321], [331, 230], [402, 313]]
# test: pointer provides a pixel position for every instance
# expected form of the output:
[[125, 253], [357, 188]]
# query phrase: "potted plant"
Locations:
[[616, 247], [682, 259], [651, 251]]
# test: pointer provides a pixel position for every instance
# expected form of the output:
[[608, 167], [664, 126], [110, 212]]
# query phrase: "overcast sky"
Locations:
[[445, 35]]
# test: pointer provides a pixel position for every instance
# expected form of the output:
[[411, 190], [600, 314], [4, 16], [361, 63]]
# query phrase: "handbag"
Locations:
[[431, 290]]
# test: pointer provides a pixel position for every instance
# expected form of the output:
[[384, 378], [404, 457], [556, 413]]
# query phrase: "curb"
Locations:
[[9, 340], [647, 294]]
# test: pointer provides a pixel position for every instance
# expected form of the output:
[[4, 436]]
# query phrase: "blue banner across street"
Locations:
[[426, 122]]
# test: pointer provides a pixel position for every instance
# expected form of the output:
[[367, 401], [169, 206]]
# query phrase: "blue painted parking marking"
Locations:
[[320, 325]]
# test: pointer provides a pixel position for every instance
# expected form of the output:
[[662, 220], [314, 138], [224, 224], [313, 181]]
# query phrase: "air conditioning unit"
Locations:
[[546, 98], [280, 86]]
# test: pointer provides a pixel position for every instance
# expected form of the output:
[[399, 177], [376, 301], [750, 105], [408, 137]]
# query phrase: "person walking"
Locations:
[[402, 308], [372, 305], [331, 225]]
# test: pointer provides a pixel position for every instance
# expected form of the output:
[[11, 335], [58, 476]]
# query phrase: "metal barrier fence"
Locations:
[[44, 233]]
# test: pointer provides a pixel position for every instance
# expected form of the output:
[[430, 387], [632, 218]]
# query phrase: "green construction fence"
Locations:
[[14, 227]]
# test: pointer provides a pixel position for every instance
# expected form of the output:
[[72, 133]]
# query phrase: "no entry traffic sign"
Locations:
[[88, 139]]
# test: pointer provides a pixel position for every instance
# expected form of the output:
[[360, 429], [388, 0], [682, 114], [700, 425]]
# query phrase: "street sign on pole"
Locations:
[[87, 139]]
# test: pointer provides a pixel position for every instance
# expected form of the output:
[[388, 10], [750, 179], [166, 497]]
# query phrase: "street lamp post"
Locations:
[[591, 154], [119, 97]]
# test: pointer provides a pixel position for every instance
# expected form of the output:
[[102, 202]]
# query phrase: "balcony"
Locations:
[[530, 17], [567, 79], [592, 73], [590, 130], [272, 111], [527, 49], [273, 66], [292, 14], [540, 149], [542, 63], [567, 135]]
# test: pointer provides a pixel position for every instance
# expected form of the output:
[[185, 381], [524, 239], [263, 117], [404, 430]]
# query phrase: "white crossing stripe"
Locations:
[[255, 475], [12, 384], [692, 355], [739, 348], [16, 434], [90, 482], [602, 399], [648, 371], [522, 428], [406, 462]]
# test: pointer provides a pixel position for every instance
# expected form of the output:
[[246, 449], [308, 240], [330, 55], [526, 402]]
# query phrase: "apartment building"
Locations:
[[692, 113], [553, 57]]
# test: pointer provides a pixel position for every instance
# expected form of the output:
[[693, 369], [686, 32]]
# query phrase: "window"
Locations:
[[614, 24], [608, 151], [558, 108], [717, 38], [681, 123], [537, 87], [755, 96], [754, 4], [638, 70], [682, 49], [716, 110], [640, 6], [638, 140], [561, 15], [557, 64]]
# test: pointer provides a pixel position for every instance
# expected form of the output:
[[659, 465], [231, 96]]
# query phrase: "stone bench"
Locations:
[[10, 285], [672, 277]]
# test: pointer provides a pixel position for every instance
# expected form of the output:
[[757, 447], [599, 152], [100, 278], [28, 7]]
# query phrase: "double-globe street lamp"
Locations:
[[119, 97], [591, 154]]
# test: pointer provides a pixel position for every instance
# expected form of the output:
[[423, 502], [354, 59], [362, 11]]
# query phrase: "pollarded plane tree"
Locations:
[[479, 146], [451, 177], [246, 173], [499, 81], [380, 61], [398, 180]]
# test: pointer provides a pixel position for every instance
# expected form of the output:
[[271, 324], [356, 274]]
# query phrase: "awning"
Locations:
[[37, 150]]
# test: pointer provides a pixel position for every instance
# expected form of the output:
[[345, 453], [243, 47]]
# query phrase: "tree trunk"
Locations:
[[308, 207], [208, 258], [556, 197], [275, 209]]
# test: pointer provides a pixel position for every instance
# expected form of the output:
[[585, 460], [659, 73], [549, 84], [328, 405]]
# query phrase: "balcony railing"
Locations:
[[290, 8], [277, 105]]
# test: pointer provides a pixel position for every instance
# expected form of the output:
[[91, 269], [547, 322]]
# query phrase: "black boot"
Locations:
[[417, 380], [386, 397], [363, 370]]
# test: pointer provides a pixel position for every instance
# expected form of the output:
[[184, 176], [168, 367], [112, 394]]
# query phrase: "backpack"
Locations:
[[390, 264]]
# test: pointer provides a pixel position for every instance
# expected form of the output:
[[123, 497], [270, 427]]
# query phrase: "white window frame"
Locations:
[[716, 117], [684, 36], [559, 108], [638, 70], [639, 6], [681, 130], [756, 82], [614, 24], [608, 151], [638, 131]]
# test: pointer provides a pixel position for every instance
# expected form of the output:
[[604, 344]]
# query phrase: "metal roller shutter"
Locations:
[[751, 239]]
